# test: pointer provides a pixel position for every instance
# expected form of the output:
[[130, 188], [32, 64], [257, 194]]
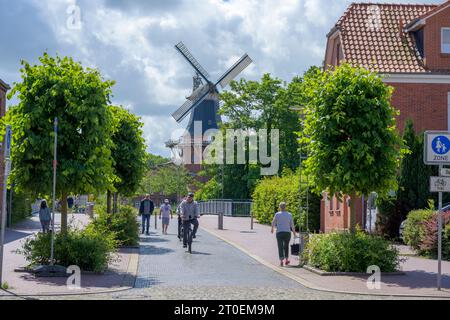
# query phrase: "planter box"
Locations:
[[353, 274]]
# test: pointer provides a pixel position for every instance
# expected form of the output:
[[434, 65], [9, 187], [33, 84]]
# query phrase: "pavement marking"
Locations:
[[310, 285]]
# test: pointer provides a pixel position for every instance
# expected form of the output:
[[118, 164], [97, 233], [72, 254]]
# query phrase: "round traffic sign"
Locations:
[[441, 145]]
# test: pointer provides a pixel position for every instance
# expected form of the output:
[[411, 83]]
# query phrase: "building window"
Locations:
[[445, 40], [338, 54]]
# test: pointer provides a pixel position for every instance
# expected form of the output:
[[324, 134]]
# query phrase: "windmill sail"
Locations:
[[198, 96], [193, 62], [234, 71]]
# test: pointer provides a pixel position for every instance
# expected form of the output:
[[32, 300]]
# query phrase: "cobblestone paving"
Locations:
[[215, 271]]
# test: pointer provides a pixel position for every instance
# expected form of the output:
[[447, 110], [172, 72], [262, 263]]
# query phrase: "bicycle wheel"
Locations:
[[190, 240]]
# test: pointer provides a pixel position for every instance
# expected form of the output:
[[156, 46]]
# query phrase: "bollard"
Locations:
[[221, 221], [252, 222]]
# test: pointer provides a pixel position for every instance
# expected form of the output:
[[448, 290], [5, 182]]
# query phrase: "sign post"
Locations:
[[7, 154], [55, 162], [437, 152]]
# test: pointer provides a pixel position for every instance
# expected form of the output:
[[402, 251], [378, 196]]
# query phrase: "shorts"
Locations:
[[165, 221]]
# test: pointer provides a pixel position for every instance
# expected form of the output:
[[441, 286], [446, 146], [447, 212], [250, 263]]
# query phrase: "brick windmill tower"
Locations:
[[202, 106]]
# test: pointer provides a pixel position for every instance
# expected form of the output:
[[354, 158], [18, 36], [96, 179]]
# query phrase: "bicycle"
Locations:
[[190, 234]]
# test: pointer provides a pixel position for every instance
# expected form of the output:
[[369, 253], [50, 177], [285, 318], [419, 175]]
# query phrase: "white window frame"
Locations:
[[445, 50]]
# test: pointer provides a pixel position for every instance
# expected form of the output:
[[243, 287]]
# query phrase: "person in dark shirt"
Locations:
[[146, 209]]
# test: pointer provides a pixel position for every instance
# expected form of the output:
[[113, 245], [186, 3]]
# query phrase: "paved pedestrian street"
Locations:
[[214, 271]]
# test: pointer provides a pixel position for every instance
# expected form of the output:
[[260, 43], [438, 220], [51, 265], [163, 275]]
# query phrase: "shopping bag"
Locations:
[[295, 248]]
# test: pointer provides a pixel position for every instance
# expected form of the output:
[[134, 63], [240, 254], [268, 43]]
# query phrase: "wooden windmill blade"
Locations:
[[197, 98], [234, 71], [192, 61]]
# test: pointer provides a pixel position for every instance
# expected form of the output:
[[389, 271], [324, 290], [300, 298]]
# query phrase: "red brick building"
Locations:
[[409, 45], [3, 89]]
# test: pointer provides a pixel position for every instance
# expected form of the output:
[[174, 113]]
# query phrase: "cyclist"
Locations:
[[189, 214], [180, 221]]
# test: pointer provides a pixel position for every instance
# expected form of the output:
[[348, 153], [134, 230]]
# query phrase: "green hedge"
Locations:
[[414, 232], [123, 225], [87, 249], [269, 192], [347, 252], [21, 205]]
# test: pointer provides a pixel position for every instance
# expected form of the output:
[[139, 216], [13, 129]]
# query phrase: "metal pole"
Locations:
[[439, 277], [10, 205], [6, 148], [55, 159]]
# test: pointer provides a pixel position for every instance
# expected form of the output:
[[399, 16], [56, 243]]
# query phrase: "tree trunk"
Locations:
[[353, 212], [108, 202], [64, 212], [115, 197]]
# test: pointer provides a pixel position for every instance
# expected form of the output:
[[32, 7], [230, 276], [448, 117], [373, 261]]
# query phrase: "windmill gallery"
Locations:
[[203, 106]]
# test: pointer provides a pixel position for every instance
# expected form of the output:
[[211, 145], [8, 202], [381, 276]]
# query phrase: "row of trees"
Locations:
[[100, 146]]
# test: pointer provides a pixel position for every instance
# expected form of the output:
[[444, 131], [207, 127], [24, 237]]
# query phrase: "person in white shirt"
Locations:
[[165, 213]]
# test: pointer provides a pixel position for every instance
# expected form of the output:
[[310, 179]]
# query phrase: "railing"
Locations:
[[229, 208]]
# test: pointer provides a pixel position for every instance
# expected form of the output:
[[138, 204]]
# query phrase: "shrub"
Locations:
[[91, 251], [429, 243], [347, 252], [271, 191], [414, 231], [21, 205], [123, 225]]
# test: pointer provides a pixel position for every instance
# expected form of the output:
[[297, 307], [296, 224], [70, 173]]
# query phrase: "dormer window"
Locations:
[[445, 40]]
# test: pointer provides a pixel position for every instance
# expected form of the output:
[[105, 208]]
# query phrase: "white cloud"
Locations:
[[132, 42]]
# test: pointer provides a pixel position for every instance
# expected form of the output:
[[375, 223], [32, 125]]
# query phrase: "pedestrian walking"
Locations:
[[284, 224], [166, 214], [145, 210], [45, 216]]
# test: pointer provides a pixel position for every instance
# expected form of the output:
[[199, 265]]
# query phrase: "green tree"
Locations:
[[350, 131], [128, 152], [79, 98], [167, 179], [413, 185]]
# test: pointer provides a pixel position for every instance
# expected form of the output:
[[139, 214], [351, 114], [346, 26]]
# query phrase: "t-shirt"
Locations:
[[165, 210], [283, 222], [189, 211]]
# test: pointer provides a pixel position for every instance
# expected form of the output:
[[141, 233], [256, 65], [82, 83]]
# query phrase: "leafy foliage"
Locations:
[[350, 252], [414, 232], [413, 185], [429, 243], [79, 98], [88, 249], [167, 180], [128, 152], [271, 191], [122, 225], [350, 133]]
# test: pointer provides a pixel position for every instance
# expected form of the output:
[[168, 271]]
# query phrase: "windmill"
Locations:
[[203, 104]]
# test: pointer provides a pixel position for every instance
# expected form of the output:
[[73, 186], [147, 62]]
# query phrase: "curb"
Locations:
[[127, 283], [310, 285], [351, 274]]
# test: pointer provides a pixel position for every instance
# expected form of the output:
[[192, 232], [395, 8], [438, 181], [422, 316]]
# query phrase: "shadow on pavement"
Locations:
[[152, 250], [422, 280], [152, 240], [14, 235]]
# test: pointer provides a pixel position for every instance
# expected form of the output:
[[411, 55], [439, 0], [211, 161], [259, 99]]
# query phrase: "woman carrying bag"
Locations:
[[284, 224]]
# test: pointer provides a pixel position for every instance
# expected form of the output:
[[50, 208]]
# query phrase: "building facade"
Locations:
[[409, 46], [3, 90]]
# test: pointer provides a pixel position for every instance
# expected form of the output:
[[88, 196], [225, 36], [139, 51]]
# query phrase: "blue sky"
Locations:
[[132, 42]]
